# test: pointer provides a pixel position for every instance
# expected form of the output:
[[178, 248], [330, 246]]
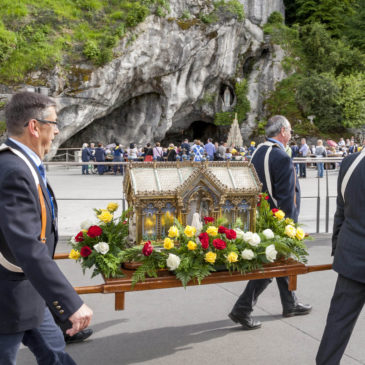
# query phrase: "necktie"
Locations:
[[42, 171]]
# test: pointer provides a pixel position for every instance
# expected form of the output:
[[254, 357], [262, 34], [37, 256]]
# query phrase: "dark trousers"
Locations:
[[46, 342], [303, 169], [346, 304], [254, 288]]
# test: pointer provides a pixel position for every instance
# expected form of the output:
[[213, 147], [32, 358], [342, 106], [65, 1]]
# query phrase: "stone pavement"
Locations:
[[178, 326]]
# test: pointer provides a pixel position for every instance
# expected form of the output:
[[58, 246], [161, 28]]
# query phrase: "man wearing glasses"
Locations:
[[277, 175], [32, 287]]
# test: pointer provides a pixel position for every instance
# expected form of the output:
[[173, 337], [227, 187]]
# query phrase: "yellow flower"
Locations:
[[173, 232], [148, 223], [168, 244], [112, 207], [300, 233], [232, 257], [74, 254], [105, 216], [190, 231], [212, 231], [289, 221], [84, 230], [210, 257], [192, 245], [280, 215], [290, 231]]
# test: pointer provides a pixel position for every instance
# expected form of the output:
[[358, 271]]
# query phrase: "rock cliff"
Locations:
[[168, 76]]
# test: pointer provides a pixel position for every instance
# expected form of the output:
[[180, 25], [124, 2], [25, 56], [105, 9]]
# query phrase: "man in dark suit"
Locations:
[[32, 287], [348, 249], [279, 181]]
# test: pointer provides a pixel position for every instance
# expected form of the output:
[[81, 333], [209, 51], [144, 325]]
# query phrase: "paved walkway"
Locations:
[[177, 326]]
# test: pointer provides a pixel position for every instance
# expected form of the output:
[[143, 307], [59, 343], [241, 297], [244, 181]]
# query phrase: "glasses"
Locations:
[[55, 123]]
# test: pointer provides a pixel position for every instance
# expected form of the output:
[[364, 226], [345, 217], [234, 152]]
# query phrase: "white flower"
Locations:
[[86, 224], [254, 240], [173, 262], [271, 253], [247, 254], [101, 247], [72, 240], [247, 236], [239, 233], [268, 233]]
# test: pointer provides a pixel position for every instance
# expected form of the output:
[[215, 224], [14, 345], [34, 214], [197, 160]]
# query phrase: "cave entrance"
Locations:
[[197, 130]]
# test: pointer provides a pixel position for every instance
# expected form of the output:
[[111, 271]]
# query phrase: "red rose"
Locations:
[[204, 240], [219, 244], [79, 237], [208, 220], [274, 210], [94, 231], [85, 251], [231, 234], [266, 197], [125, 222], [258, 204], [147, 248], [222, 229]]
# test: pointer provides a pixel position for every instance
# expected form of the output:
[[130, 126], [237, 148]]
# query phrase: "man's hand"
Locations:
[[80, 320]]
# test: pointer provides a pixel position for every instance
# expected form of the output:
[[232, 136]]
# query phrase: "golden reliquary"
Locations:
[[159, 192]]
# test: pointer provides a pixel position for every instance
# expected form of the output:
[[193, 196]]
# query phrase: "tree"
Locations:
[[318, 95], [355, 26]]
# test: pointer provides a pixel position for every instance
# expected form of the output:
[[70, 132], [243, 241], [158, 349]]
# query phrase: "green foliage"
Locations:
[[275, 18], [2, 127], [242, 106], [233, 7], [354, 29], [352, 99], [38, 34], [331, 13], [209, 18], [318, 95], [186, 14]]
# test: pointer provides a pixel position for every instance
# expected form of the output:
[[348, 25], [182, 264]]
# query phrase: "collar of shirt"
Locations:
[[276, 141], [35, 158]]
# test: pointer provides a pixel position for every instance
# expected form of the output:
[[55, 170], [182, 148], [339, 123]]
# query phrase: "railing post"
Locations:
[[327, 202], [318, 204]]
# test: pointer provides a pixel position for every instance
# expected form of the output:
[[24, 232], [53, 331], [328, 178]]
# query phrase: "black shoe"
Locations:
[[246, 321], [297, 310], [79, 337]]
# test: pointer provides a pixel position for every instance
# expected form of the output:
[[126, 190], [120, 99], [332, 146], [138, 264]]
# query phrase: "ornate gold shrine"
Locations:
[[159, 192]]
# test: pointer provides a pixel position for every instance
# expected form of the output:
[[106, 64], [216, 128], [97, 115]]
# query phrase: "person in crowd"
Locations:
[[347, 142], [32, 286], [210, 149], [118, 157], [353, 147], [171, 153], [157, 152], [320, 152], [198, 150], [348, 250], [341, 143], [132, 152], [295, 153], [86, 156], [148, 153], [284, 193], [186, 146], [100, 156], [216, 146], [228, 154], [252, 148], [303, 152], [222, 151]]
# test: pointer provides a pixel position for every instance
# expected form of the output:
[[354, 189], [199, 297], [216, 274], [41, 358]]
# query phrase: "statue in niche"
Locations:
[[227, 98], [198, 205]]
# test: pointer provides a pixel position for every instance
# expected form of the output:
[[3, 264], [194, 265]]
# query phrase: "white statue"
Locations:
[[227, 97], [197, 223]]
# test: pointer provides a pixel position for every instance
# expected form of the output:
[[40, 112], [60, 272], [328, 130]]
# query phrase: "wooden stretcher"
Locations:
[[120, 286]]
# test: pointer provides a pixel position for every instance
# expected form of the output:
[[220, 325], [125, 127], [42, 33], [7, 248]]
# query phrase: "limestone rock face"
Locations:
[[172, 73]]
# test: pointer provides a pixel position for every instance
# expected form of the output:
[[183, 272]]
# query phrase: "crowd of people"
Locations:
[[210, 151]]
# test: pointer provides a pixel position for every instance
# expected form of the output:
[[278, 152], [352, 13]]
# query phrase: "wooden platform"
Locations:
[[166, 279]]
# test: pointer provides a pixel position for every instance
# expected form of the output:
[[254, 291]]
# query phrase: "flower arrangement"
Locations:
[[99, 245], [193, 255]]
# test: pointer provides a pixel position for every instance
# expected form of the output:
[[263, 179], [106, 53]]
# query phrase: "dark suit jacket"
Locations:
[[348, 239], [24, 295], [283, 180]]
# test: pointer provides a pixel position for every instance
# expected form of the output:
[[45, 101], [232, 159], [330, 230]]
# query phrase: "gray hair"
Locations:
[[25, 106], [274, 125]]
